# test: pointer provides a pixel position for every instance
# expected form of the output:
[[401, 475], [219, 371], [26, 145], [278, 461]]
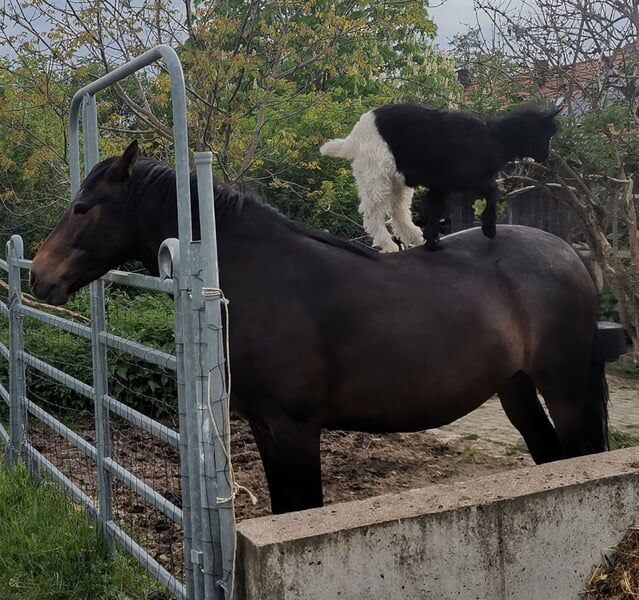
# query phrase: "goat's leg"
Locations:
[[375, 189], [489, 216], [432, 209], [401, 219]]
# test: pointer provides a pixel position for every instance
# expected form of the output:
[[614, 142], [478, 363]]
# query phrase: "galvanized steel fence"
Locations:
[[188, 271]]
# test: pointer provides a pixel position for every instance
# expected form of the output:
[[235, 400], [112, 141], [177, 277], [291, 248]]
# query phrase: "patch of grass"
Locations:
[[519, 448], [468, 452], [51, 550], [622, 439], [471, 437], [629, 370]]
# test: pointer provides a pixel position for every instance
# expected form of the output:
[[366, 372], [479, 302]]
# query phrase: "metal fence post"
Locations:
[[169, 267], [17, 380], [98, 347], [217, 488]]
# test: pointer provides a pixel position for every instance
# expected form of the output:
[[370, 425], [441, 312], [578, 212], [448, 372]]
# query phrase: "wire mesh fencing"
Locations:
[[125, 463], [131, 416]]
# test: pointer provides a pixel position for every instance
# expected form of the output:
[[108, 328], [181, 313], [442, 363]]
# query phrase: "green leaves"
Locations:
[[479, 206]]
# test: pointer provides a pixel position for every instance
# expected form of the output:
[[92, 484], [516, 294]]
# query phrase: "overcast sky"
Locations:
[[451, 17]]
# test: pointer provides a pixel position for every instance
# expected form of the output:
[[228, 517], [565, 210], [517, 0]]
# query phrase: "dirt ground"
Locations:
[[360, 465], [354, 465]]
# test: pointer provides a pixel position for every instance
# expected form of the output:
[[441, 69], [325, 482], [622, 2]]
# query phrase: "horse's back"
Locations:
[[551, 293]]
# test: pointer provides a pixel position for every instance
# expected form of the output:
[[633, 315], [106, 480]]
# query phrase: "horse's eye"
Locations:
[[81, 209]]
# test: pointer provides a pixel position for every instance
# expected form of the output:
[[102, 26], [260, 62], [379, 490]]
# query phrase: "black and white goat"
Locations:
[[398, 147]]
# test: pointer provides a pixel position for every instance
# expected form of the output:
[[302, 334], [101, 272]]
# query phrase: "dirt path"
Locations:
[[490, 431]]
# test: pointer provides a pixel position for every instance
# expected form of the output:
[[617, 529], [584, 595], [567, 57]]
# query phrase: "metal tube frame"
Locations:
[[206, 515], [17, 380], [209, 554]]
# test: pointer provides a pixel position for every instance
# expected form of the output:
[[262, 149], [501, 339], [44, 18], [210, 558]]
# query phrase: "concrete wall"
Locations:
[[527, 534]]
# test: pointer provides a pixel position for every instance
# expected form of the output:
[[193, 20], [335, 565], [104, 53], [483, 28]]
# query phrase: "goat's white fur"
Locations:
[[382, 189]]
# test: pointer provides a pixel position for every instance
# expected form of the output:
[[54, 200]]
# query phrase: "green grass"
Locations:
[[618, 439], [50, 549], [628, 369], [622, 439], [519, 448]]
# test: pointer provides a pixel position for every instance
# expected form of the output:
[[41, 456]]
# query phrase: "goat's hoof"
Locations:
[[489, 230], [388, 248], [433, 246]]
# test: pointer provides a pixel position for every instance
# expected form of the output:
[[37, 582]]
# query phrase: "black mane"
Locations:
[[231, 200]]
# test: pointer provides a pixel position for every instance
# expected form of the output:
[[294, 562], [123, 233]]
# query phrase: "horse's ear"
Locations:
[[123, 166]]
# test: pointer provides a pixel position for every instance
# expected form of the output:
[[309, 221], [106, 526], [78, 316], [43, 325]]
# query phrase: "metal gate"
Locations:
[[188, 271]]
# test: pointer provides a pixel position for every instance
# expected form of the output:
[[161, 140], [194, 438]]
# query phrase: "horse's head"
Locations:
[[94, 235]]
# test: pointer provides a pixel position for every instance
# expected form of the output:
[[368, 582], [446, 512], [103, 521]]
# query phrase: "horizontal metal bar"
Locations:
[[170, 582], [60, 376], [68, 434], [157, 430], [61, 479], [144, 282], [55, 321], [146, 491], [4, 351], [4, 394], [150, 355], [144, 60]]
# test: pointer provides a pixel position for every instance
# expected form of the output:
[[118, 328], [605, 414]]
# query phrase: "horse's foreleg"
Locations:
[[523, 409], [290, 454]]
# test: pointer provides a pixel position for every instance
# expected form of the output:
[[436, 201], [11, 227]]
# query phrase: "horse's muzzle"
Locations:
[[47, 291]]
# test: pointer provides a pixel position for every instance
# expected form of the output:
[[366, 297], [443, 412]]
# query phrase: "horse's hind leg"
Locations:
[[565, 402], [522, 407], [401, 219], [290, 454]]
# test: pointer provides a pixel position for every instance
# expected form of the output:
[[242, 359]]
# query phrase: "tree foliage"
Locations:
[[267, 81], [586, 56]]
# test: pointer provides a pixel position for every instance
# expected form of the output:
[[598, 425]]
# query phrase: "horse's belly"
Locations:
[[404, 412]]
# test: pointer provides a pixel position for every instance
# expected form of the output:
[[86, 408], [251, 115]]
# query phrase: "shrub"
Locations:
[[144, 318]]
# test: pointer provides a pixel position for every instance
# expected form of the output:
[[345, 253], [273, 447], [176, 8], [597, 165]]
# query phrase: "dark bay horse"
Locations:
[[329, 334]]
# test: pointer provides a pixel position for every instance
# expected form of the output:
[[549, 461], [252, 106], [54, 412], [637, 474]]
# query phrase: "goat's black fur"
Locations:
[[449, 151]]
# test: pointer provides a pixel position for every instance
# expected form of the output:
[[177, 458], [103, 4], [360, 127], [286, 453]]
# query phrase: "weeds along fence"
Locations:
[[131, 417]]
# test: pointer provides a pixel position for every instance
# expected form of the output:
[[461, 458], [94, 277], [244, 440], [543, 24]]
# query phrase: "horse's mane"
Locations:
[[231, 200]]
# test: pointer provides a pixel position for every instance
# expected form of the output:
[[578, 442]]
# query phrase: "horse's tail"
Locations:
[[596, 405], [339, 147], [608, 344]]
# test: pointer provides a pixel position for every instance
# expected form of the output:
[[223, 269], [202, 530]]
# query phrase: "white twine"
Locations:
[[215, 294]]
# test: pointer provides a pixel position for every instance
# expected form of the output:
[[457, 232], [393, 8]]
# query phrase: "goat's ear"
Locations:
[[123, 165]]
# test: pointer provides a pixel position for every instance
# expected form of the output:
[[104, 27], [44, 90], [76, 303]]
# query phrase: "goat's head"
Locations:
[[529, 130]]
